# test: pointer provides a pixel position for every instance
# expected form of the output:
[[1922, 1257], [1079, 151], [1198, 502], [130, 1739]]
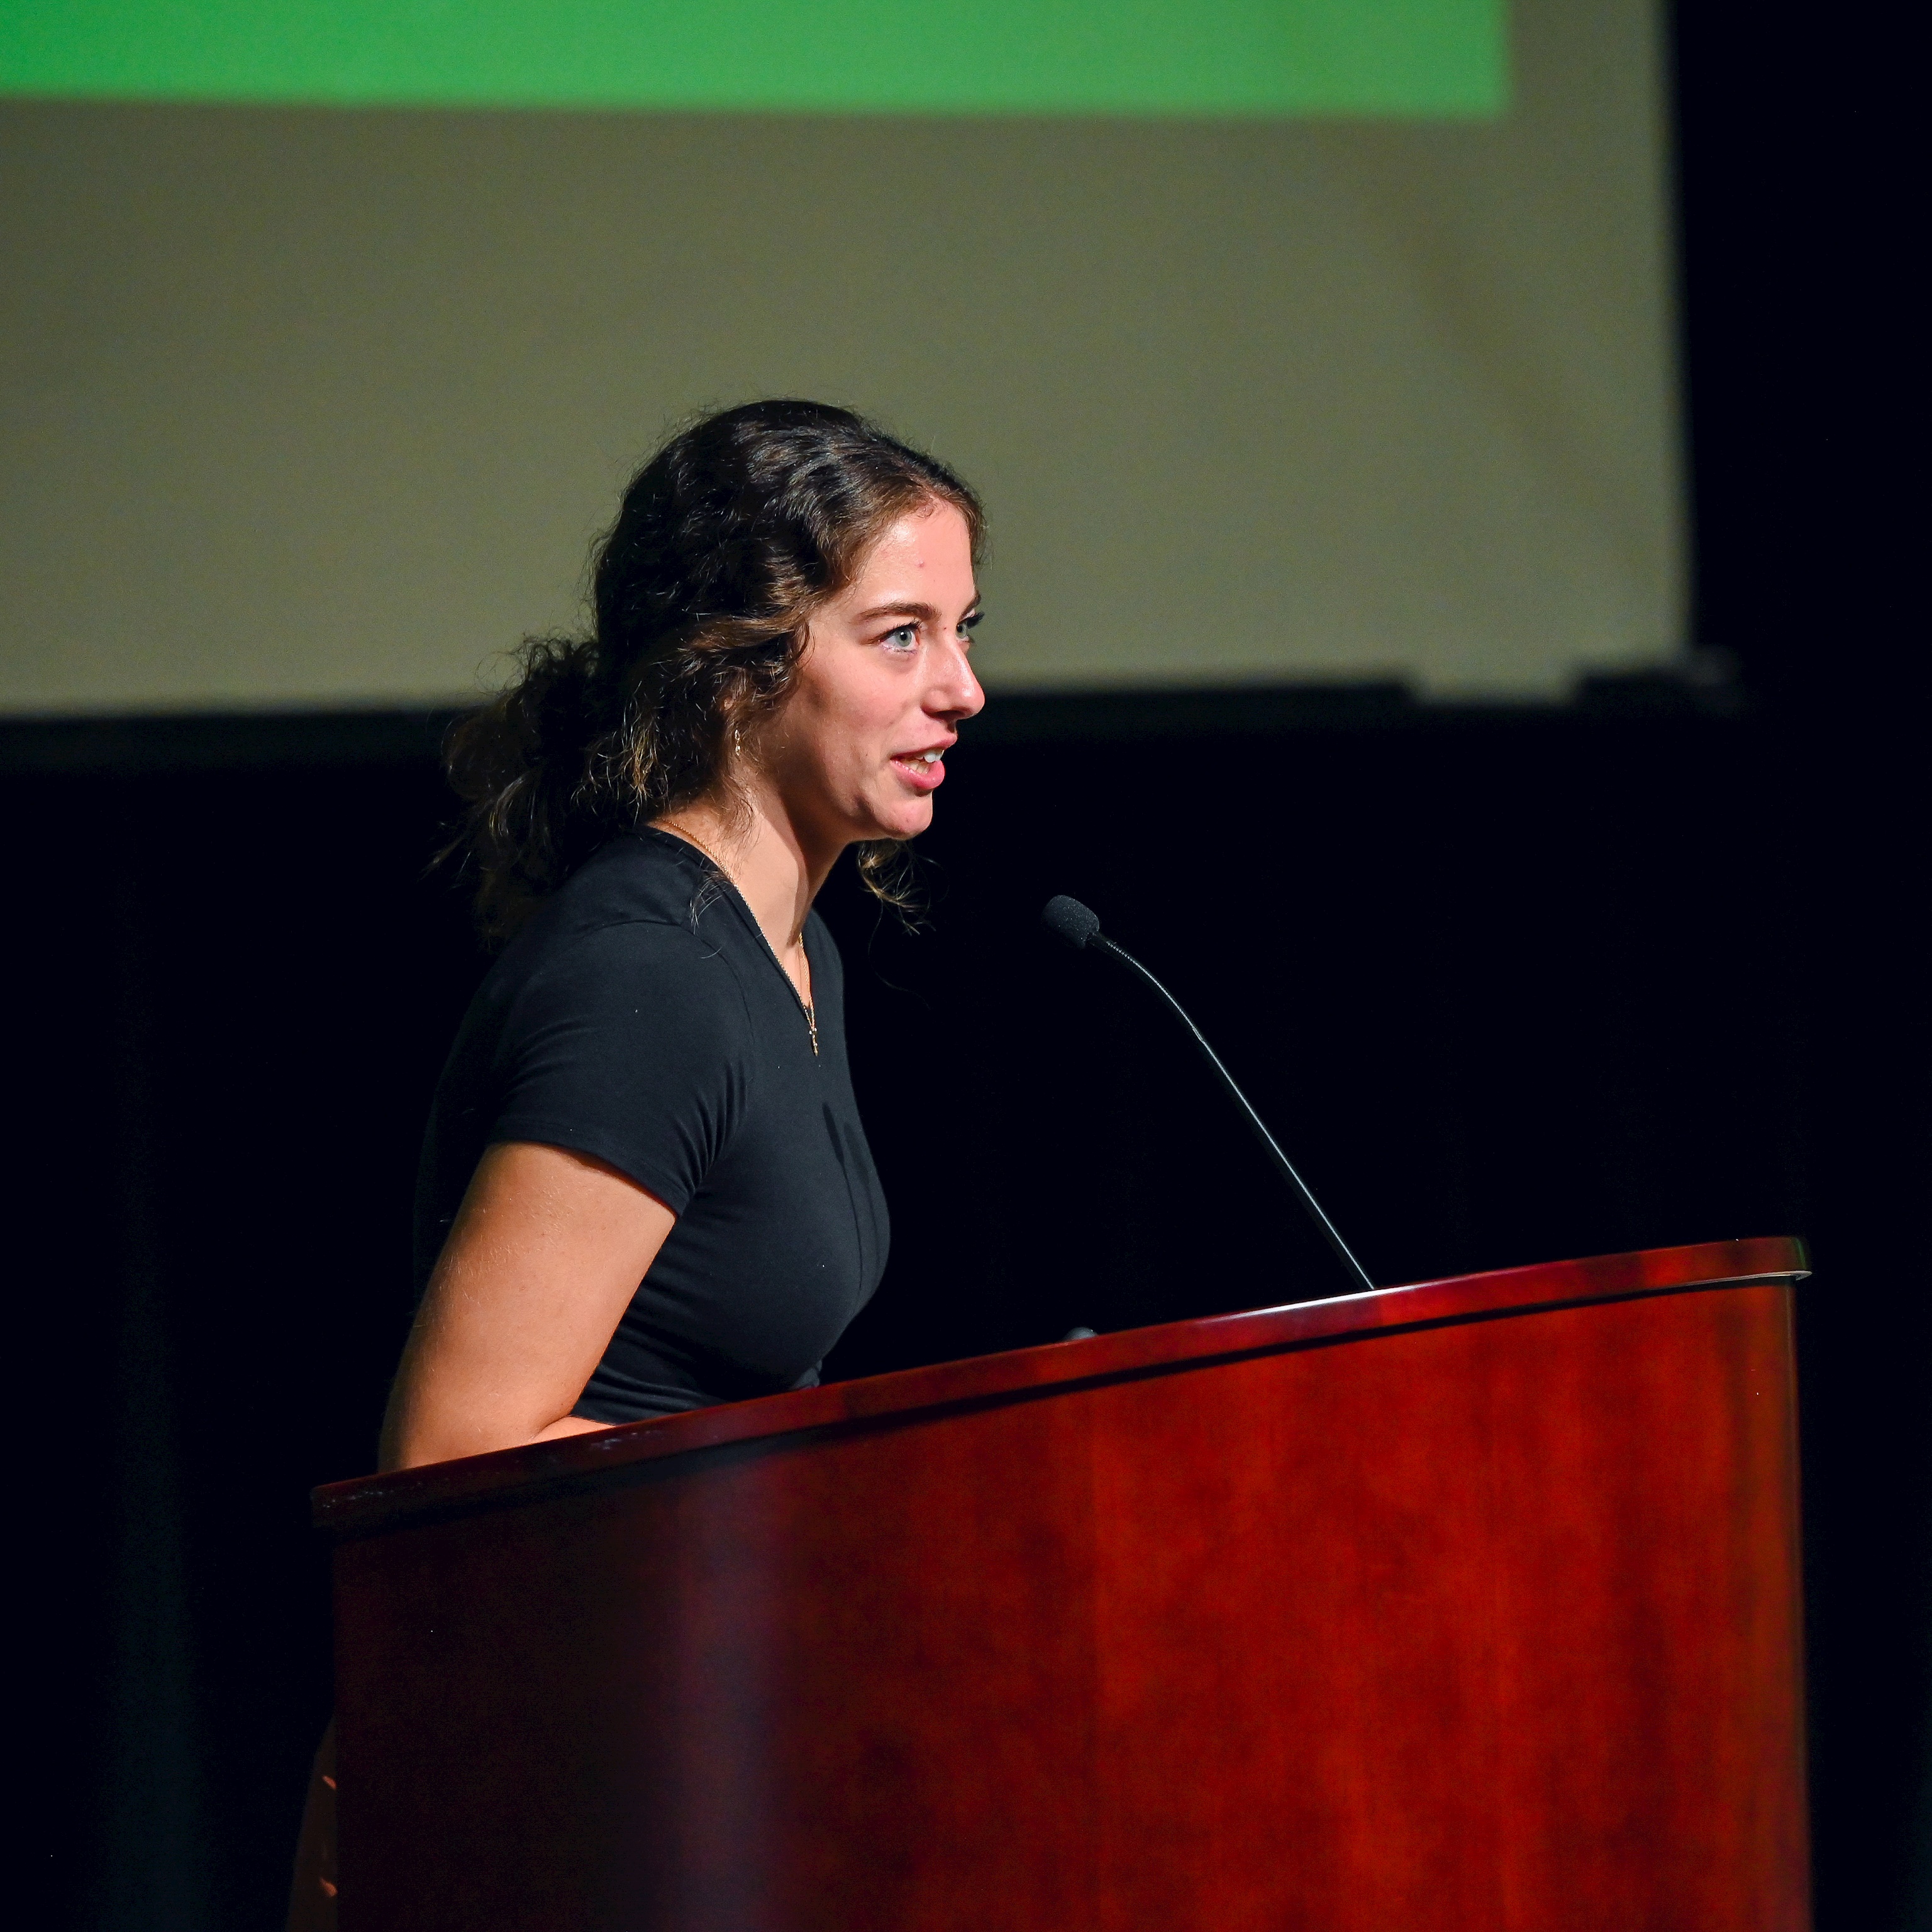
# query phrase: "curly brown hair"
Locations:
[[727, 539]]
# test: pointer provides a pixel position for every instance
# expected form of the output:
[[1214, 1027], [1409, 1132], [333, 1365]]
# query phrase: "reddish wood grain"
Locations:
[[1473, 1609]]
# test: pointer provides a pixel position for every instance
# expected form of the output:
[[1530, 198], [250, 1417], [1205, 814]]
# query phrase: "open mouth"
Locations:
[[923, 770]]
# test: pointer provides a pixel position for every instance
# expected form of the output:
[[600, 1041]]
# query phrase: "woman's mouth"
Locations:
[[923, 770]]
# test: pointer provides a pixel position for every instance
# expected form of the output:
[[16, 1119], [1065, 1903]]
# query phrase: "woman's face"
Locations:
[[855, 752]]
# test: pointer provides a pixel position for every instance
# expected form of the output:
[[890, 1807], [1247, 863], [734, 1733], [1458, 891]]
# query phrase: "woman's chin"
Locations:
[[904, 818]]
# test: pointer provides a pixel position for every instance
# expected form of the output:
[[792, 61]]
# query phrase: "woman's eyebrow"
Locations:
[[924, 613]]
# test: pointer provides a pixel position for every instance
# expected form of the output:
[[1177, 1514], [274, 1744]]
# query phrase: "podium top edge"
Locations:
[[368, 1504]]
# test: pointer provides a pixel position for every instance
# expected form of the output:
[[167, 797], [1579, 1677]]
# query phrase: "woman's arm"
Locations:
[[547, 1250]]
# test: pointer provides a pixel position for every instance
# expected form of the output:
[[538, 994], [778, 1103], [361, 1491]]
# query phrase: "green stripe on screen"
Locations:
[[1260, 57]]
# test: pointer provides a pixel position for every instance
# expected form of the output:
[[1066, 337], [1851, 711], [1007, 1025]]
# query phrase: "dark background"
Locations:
[[1511, 984]]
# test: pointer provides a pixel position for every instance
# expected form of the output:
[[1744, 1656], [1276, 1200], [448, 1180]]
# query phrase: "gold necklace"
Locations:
[[810, 1010]]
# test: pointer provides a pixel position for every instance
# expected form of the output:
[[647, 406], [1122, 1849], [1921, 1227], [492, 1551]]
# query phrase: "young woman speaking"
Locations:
[[644, 1187]]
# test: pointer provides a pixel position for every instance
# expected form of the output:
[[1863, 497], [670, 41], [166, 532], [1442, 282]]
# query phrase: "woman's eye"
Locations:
[[904, 638]]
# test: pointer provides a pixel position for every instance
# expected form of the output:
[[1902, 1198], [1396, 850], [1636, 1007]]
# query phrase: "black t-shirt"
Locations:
[[641, 1018]]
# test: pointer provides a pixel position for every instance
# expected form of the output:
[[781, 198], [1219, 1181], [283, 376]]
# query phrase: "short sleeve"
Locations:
[[629, 1044]]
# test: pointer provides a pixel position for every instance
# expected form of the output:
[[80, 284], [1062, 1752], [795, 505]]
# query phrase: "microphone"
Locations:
[[1079, 926]]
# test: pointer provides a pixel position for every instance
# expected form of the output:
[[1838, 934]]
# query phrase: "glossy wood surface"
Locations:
[[1468, 1605]]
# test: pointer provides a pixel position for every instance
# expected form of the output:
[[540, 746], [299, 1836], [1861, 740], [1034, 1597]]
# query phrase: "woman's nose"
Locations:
[[957, 693]]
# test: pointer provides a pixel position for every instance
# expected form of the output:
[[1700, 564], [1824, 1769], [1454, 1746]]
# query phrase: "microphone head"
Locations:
[[1067, 919]]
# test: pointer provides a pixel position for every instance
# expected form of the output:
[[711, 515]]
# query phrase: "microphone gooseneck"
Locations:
[[1079, 926]]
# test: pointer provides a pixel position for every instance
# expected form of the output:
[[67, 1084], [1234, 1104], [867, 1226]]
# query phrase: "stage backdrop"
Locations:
[[1310, 339]]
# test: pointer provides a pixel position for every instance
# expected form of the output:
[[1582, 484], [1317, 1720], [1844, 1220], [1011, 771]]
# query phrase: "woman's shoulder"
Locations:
[[642, 878], [639, 893], [634, 920]]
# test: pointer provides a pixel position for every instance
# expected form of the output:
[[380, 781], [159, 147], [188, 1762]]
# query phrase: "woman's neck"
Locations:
[[762, 854]]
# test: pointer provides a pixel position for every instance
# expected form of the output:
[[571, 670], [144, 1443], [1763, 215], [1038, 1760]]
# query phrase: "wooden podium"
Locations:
[[1471, 1607]]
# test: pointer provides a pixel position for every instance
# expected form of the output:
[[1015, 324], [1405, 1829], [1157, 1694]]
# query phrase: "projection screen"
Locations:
[[1289, 341]]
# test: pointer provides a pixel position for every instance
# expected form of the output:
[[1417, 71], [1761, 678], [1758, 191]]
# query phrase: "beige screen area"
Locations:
[[304, 407]]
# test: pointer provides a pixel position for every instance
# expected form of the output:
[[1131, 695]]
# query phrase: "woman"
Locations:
[[644, 1187]]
